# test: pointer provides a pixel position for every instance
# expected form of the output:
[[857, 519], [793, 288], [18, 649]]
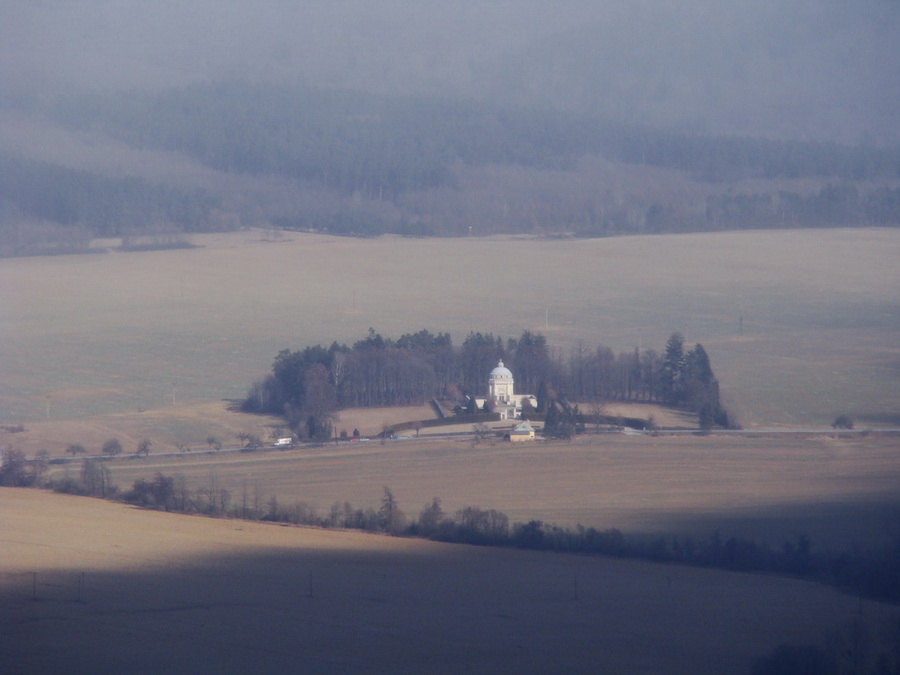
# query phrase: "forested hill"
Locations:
[[348, 162]]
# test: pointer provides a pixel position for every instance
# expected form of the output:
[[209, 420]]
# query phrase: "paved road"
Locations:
[[811, 431]]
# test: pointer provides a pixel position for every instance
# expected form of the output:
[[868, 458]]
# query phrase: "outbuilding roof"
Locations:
[[522, 427]]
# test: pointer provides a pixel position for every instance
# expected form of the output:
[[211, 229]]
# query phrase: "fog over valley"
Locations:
[[585, 119], [797, 69]]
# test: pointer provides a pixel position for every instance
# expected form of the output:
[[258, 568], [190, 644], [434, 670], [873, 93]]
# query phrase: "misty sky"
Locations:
[[812, 69]]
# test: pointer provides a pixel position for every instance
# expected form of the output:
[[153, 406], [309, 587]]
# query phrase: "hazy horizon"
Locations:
[[798, 69]]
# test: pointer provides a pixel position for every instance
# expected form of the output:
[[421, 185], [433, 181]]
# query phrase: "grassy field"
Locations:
[[800, 325], [840, 492], [88, 586], [191, 424]]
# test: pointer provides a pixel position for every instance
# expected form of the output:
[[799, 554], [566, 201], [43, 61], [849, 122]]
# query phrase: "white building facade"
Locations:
[[502, 394]]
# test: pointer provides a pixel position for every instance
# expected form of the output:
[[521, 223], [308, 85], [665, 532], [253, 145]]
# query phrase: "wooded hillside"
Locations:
[[348, 162]]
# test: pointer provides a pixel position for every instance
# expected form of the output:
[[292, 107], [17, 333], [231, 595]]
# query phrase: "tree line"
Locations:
[[872, 572], [46, 208], [307, 385], [380, 145]]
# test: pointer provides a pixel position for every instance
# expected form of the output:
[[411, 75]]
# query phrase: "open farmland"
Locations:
[[190, 424], [92, 586], [839, 492], [800, 325]]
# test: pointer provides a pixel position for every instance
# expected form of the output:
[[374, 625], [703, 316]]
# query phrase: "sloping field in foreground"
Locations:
[[88, 586]]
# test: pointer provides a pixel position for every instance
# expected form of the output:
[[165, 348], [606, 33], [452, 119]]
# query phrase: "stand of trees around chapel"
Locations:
[[306, 386]]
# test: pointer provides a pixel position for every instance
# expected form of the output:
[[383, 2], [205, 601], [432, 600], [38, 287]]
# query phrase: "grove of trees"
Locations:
[[307, 385]]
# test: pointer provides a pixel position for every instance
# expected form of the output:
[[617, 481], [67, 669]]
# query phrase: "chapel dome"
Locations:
[[501, 371]]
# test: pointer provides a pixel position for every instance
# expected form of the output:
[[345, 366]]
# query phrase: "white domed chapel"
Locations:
[[500, 384], [502, 394]]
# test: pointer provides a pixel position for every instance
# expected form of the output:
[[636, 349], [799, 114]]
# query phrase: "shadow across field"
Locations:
[[831, 526], [407, 607], [838, 492]]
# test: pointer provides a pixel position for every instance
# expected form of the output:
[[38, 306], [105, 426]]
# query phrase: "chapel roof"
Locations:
[[501, 370]]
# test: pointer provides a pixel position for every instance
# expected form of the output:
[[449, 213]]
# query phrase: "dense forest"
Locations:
[[349, 162], [384, 146], [69, 207], [306, 386]]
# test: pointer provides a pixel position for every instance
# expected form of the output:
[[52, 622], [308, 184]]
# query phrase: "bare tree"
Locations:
[[40, 465], [390, 516], [12, 468], [96, 478], [481, 430], [143, 448], [76, 449], [598, 412], [112, 447], [216, 498], [183, 501], [430, 518], [842, 422]]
